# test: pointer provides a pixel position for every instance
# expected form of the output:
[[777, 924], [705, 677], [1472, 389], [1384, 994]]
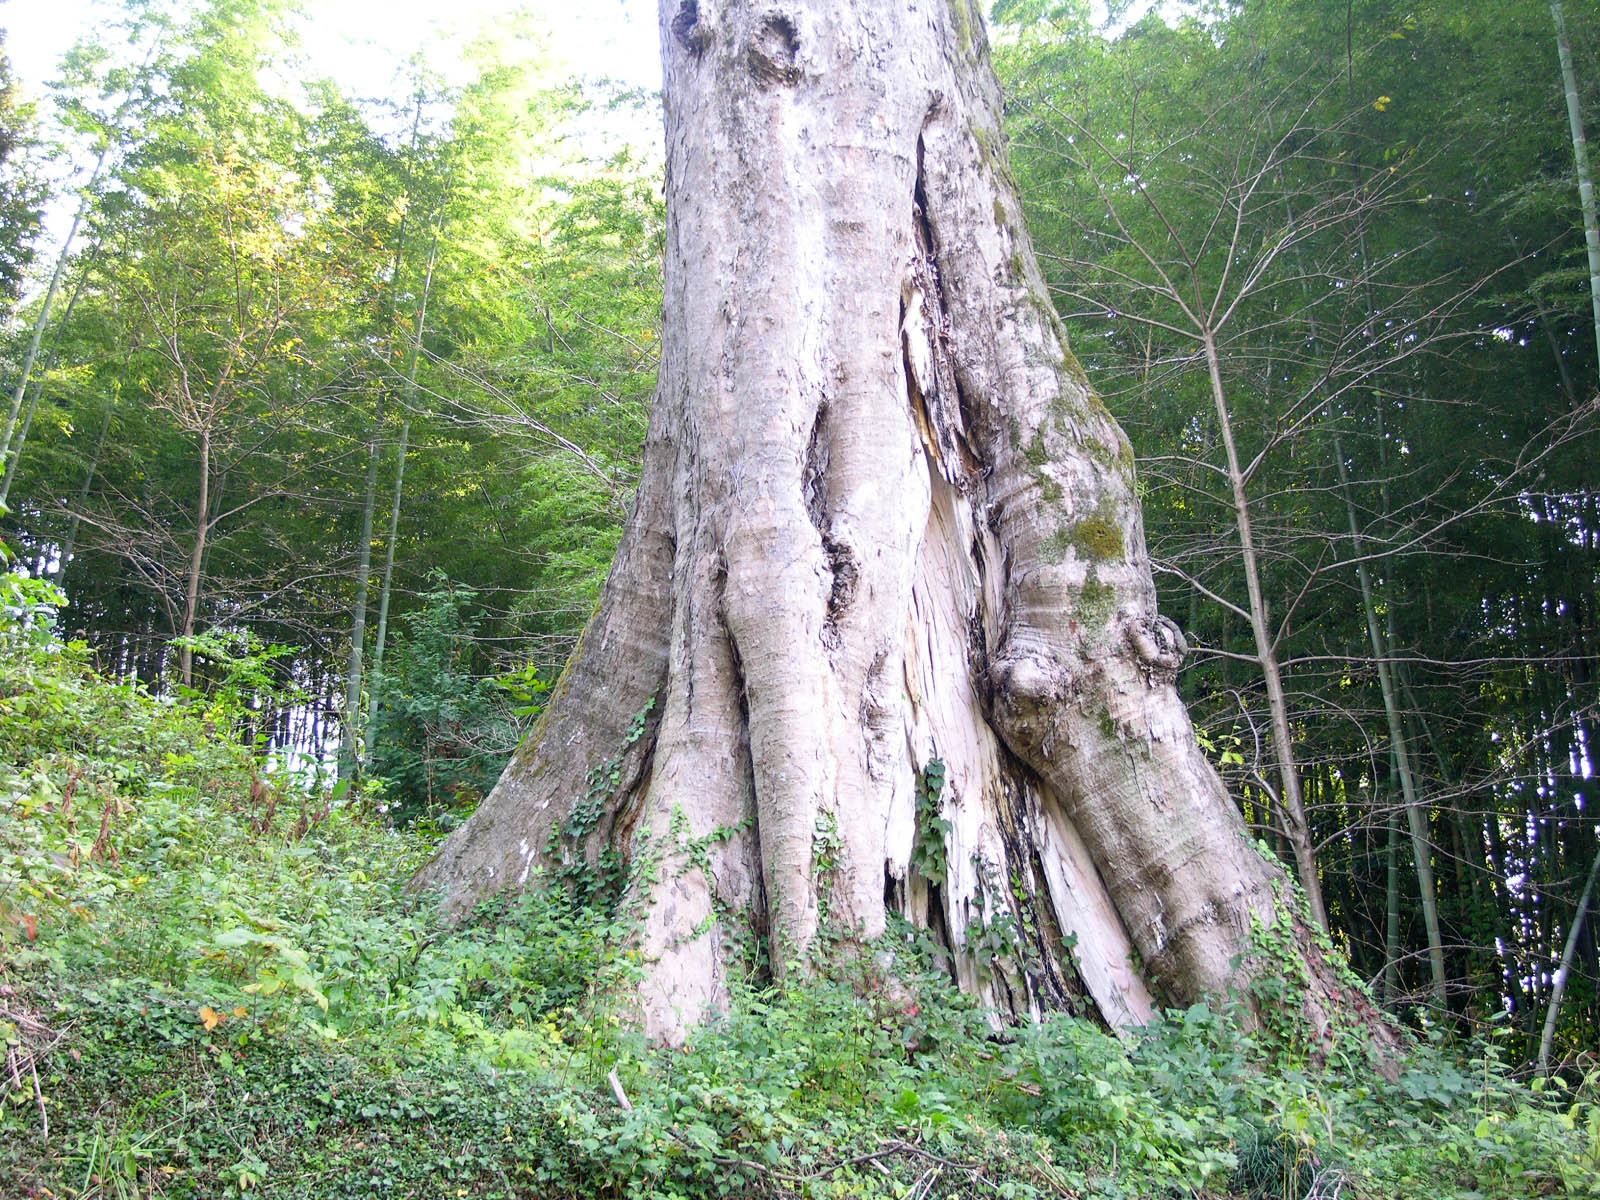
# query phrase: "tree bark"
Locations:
[[353, 739], [409, 404], [386, 577], [21, 434], [1558, 980], [191, 579], [882, 523], [1580, 155], [7, 450], [1390, 977]]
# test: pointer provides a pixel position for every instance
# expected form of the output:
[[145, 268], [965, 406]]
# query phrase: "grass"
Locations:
[[214, 983]]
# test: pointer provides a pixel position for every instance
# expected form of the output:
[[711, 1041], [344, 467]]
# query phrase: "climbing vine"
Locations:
[[929, 856]]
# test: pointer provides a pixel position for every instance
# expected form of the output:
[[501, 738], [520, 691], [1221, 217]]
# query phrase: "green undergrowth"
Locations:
[[213, 983]]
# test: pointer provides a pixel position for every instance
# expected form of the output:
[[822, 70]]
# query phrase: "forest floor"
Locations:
[[213, 982]]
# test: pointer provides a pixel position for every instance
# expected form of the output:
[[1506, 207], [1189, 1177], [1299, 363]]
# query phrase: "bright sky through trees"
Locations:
[[363, 45]]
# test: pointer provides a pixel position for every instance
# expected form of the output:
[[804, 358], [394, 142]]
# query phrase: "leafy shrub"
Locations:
[[443, 724]]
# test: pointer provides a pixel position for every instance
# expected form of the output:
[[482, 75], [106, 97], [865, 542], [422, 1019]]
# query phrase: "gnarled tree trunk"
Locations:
[[883, 523]]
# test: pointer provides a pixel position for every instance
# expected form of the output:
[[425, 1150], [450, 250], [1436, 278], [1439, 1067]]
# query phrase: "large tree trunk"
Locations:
[[883, 522]]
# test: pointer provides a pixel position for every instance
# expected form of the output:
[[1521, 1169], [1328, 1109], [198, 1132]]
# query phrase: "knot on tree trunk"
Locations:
[[693, 34], [1027, 691], [775, 51], [1160, 646]]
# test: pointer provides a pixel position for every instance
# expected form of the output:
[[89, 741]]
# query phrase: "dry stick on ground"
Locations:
[[19, 1060]]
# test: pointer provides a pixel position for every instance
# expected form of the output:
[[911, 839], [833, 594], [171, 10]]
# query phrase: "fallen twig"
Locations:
[[38, 1096], [616, 1090]]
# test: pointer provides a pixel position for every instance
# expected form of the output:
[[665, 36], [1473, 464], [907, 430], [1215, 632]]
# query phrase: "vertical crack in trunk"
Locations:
[[836, 552], [1060, 985], [814, 475], [937, 398], [998, 912], [755, 896]]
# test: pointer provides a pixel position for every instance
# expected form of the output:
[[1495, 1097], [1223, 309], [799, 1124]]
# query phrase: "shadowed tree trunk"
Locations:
[[885, 537], [1580, 155]]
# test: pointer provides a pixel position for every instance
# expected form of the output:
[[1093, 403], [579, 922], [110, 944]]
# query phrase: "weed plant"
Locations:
[[214, 983]]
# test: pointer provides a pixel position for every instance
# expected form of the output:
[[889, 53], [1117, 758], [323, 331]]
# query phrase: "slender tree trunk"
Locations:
[[1295, 826], [21, 441], [353, 735], [1391, 911], [21, 437], [1487, 915], [413, 356], [357, 718], [1416, 812], [42, 320], [883, 523], [70, 542], [386, 577], [1559, 979], [191, 589], [7, 451], [1580, 154]]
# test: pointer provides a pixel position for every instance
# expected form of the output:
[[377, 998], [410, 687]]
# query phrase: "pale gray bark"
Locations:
[[21, 441], [356, 743], [386, 577], [37, 391], [197, 553], [413, 356], [882, 521], [8, 450], [1580, 154], [1207, 307]]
